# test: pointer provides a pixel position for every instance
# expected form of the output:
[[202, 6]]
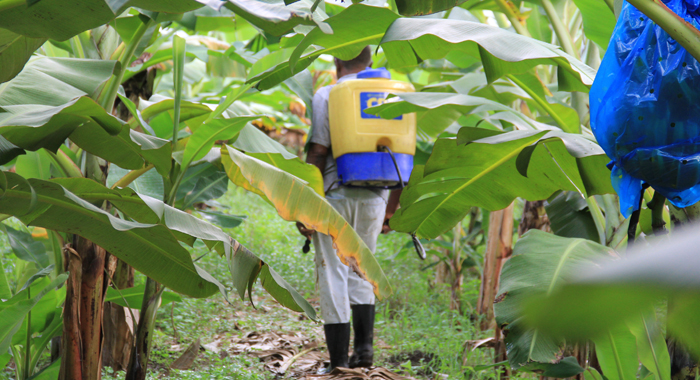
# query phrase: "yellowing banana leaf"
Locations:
[[296, 201], [257, 144]]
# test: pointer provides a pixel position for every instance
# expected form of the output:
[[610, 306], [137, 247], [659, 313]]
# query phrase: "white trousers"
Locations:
[[338, 285]]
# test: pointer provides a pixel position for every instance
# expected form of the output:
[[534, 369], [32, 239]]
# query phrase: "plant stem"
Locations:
[[541, 102], [231, 97], [144, 333], [507, 9], [598, 219], [109, 93], [117, 52], [131, 177], [179, 48], [28, 347], [674, 25], [560, 29], [64, 164], [657, 214], [634, 221], [77, 46]]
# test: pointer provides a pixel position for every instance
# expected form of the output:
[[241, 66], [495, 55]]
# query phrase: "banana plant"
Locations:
[[62, 108]]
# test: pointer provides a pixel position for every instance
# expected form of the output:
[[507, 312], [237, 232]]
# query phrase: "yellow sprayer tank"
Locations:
[[360, 140]]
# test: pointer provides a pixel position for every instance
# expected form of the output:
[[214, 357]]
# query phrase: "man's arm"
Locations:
[[391, 206], [317, 156]]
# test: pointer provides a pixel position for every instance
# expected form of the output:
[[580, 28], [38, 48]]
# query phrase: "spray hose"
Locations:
[[416, 242]]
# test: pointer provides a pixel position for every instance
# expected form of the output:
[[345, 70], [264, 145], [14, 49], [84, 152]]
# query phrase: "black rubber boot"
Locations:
[[338, 341], [363, 324]]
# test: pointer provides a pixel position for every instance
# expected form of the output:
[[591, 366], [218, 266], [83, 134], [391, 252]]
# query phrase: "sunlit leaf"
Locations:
[[296, 201], [409, 41], [490, 173]]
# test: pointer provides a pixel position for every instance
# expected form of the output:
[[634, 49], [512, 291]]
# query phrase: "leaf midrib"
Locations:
[[489, 169], [558, 269], [560, 264]]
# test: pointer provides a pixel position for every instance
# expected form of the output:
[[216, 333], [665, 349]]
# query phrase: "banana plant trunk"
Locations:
[[498, 249], [118, 325], [534, 218], [138, 363], [82, 326]]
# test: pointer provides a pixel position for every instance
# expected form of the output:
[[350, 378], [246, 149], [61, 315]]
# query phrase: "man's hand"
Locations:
[[391, 207], [385, 227], [306, 232]]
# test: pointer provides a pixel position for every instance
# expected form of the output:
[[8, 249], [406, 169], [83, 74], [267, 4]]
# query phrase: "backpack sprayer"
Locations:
[[370, 152]]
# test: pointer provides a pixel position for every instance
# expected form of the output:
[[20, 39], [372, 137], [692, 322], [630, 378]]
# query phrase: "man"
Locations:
[[367, 211]]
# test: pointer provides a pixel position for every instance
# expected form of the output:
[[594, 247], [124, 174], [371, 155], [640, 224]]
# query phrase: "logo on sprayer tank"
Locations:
[[372, 99]]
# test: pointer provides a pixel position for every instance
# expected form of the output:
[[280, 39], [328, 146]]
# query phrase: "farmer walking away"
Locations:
[[356, 173]]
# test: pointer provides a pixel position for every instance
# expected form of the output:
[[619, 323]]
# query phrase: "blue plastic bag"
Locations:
[[645, 109]]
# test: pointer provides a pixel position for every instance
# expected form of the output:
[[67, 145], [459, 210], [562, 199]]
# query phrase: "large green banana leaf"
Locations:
[[598, 20], [296, 201], [617, 354], [274, 68], [150, 248], [651, 344], [15, 51], [425, 7], [245, 267], [273, 16], [408, 41], [490, 172], [56, 81], [569, 216], [605, 296], [49, 102], [438, 110], [541, 261], [56, 20], [354, 28], [205, 135], [49, 99], [474, 94]]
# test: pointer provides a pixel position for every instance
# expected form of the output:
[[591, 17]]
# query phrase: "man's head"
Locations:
[[355, 65]]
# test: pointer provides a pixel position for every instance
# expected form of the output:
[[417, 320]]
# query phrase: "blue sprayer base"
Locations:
[[373, 169]]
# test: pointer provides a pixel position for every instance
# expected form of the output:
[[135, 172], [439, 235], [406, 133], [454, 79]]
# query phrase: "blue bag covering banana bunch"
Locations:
[[645, 109]]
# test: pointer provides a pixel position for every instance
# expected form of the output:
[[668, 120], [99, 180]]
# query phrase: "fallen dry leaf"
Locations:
[[188, 357]]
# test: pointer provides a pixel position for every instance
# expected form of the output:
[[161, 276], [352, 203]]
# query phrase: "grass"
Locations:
[[416, 332]]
